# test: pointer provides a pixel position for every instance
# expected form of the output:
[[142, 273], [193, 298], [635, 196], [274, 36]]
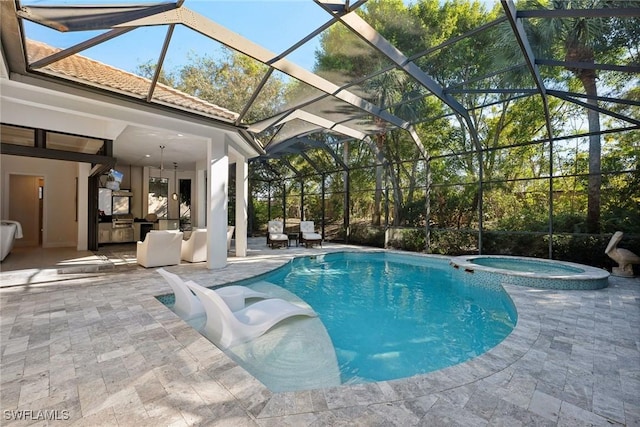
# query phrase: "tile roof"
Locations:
[[95, 73]]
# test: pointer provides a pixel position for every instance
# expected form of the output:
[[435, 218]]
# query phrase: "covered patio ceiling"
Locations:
[[327, 107]]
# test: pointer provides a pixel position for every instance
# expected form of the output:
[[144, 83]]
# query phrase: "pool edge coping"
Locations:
[[264, 403], [589, 272]]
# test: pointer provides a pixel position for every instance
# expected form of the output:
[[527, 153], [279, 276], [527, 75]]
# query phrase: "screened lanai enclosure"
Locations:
[[446, 127]]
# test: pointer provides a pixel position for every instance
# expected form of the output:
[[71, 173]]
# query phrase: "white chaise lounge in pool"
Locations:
[[188, 306], [226, 328]]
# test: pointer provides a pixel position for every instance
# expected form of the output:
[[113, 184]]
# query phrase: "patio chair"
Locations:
[[276, 235], [308, 235], [194, 249], [188, 306], [226, 328], [160, 247]]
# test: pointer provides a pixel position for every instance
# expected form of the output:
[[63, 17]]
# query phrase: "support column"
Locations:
[[347, 196], [82, 207], [242, 192], [217, 184], [302, 218], [322, 209], [201, 196]]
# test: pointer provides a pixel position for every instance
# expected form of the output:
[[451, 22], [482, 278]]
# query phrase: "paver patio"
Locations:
[[97, 348]]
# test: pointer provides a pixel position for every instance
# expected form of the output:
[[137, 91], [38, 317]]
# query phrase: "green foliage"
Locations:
[[230, 81], [408, 239], [515, 165], [453, 242], [367, 235], [584, 40], [260, 216], [583, 249], [227, 79], [569, 223], [148, 70], [454, 206], [516, 244], [415, 213]]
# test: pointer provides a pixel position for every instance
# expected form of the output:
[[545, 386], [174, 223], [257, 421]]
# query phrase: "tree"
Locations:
[[581, 40], [227, 79]]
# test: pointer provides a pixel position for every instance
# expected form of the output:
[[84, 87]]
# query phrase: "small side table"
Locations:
[[293, 236]]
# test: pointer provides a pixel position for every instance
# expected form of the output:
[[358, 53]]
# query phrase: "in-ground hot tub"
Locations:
[[532, 272]]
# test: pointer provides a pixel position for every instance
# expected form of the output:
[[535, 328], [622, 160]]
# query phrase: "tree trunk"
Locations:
[[375, 220], [379, 170], [577, 51], [397, 195], [595, 152]]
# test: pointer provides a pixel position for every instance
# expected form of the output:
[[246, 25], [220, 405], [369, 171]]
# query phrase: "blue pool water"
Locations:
[[529, 266], [392, 316]]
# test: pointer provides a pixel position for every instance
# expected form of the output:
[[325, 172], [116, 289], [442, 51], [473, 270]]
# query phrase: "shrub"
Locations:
[[367, 235]]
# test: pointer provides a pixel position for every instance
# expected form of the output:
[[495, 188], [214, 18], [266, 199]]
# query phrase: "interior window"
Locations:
[[185, 204], [159, 196]]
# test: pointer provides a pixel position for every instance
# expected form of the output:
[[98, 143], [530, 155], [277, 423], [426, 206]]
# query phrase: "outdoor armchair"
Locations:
[[308, 234], [194, 249], [276, 235], [160, 247]]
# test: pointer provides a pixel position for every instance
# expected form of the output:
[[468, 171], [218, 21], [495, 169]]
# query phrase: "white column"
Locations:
[[82, 205], [242, 191], [201, 206], [217, 184]]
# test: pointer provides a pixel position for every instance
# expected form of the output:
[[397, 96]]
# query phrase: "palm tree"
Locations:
[[580, 40], [382, 89], [393, 91]]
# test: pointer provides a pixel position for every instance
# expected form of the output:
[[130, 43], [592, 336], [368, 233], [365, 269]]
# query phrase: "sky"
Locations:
[[276, 25], [273, 24]]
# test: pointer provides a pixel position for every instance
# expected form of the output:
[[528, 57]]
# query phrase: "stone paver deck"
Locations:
[[99, 349]]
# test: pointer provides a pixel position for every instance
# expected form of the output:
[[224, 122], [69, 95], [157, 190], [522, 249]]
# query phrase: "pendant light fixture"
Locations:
[[174, 196]]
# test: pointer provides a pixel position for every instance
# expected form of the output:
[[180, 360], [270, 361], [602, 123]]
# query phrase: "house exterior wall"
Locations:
[[59, 209], [44, 104]]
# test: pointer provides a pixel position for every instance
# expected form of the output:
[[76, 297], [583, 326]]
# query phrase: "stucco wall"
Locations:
[[59, 211]]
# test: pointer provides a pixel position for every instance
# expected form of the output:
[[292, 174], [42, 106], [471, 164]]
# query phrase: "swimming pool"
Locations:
[[392, 315]]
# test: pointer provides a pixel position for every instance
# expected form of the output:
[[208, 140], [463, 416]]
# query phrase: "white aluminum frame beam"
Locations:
[[236, 42], [320, 122]]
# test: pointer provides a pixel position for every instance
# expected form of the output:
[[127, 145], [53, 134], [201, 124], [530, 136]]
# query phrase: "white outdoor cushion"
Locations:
[[311, 236], [307, 227], [275, 227], [195, 248], [159, 248]]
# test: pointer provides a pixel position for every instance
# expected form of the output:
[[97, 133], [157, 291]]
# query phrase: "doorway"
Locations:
[[26, 205]]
